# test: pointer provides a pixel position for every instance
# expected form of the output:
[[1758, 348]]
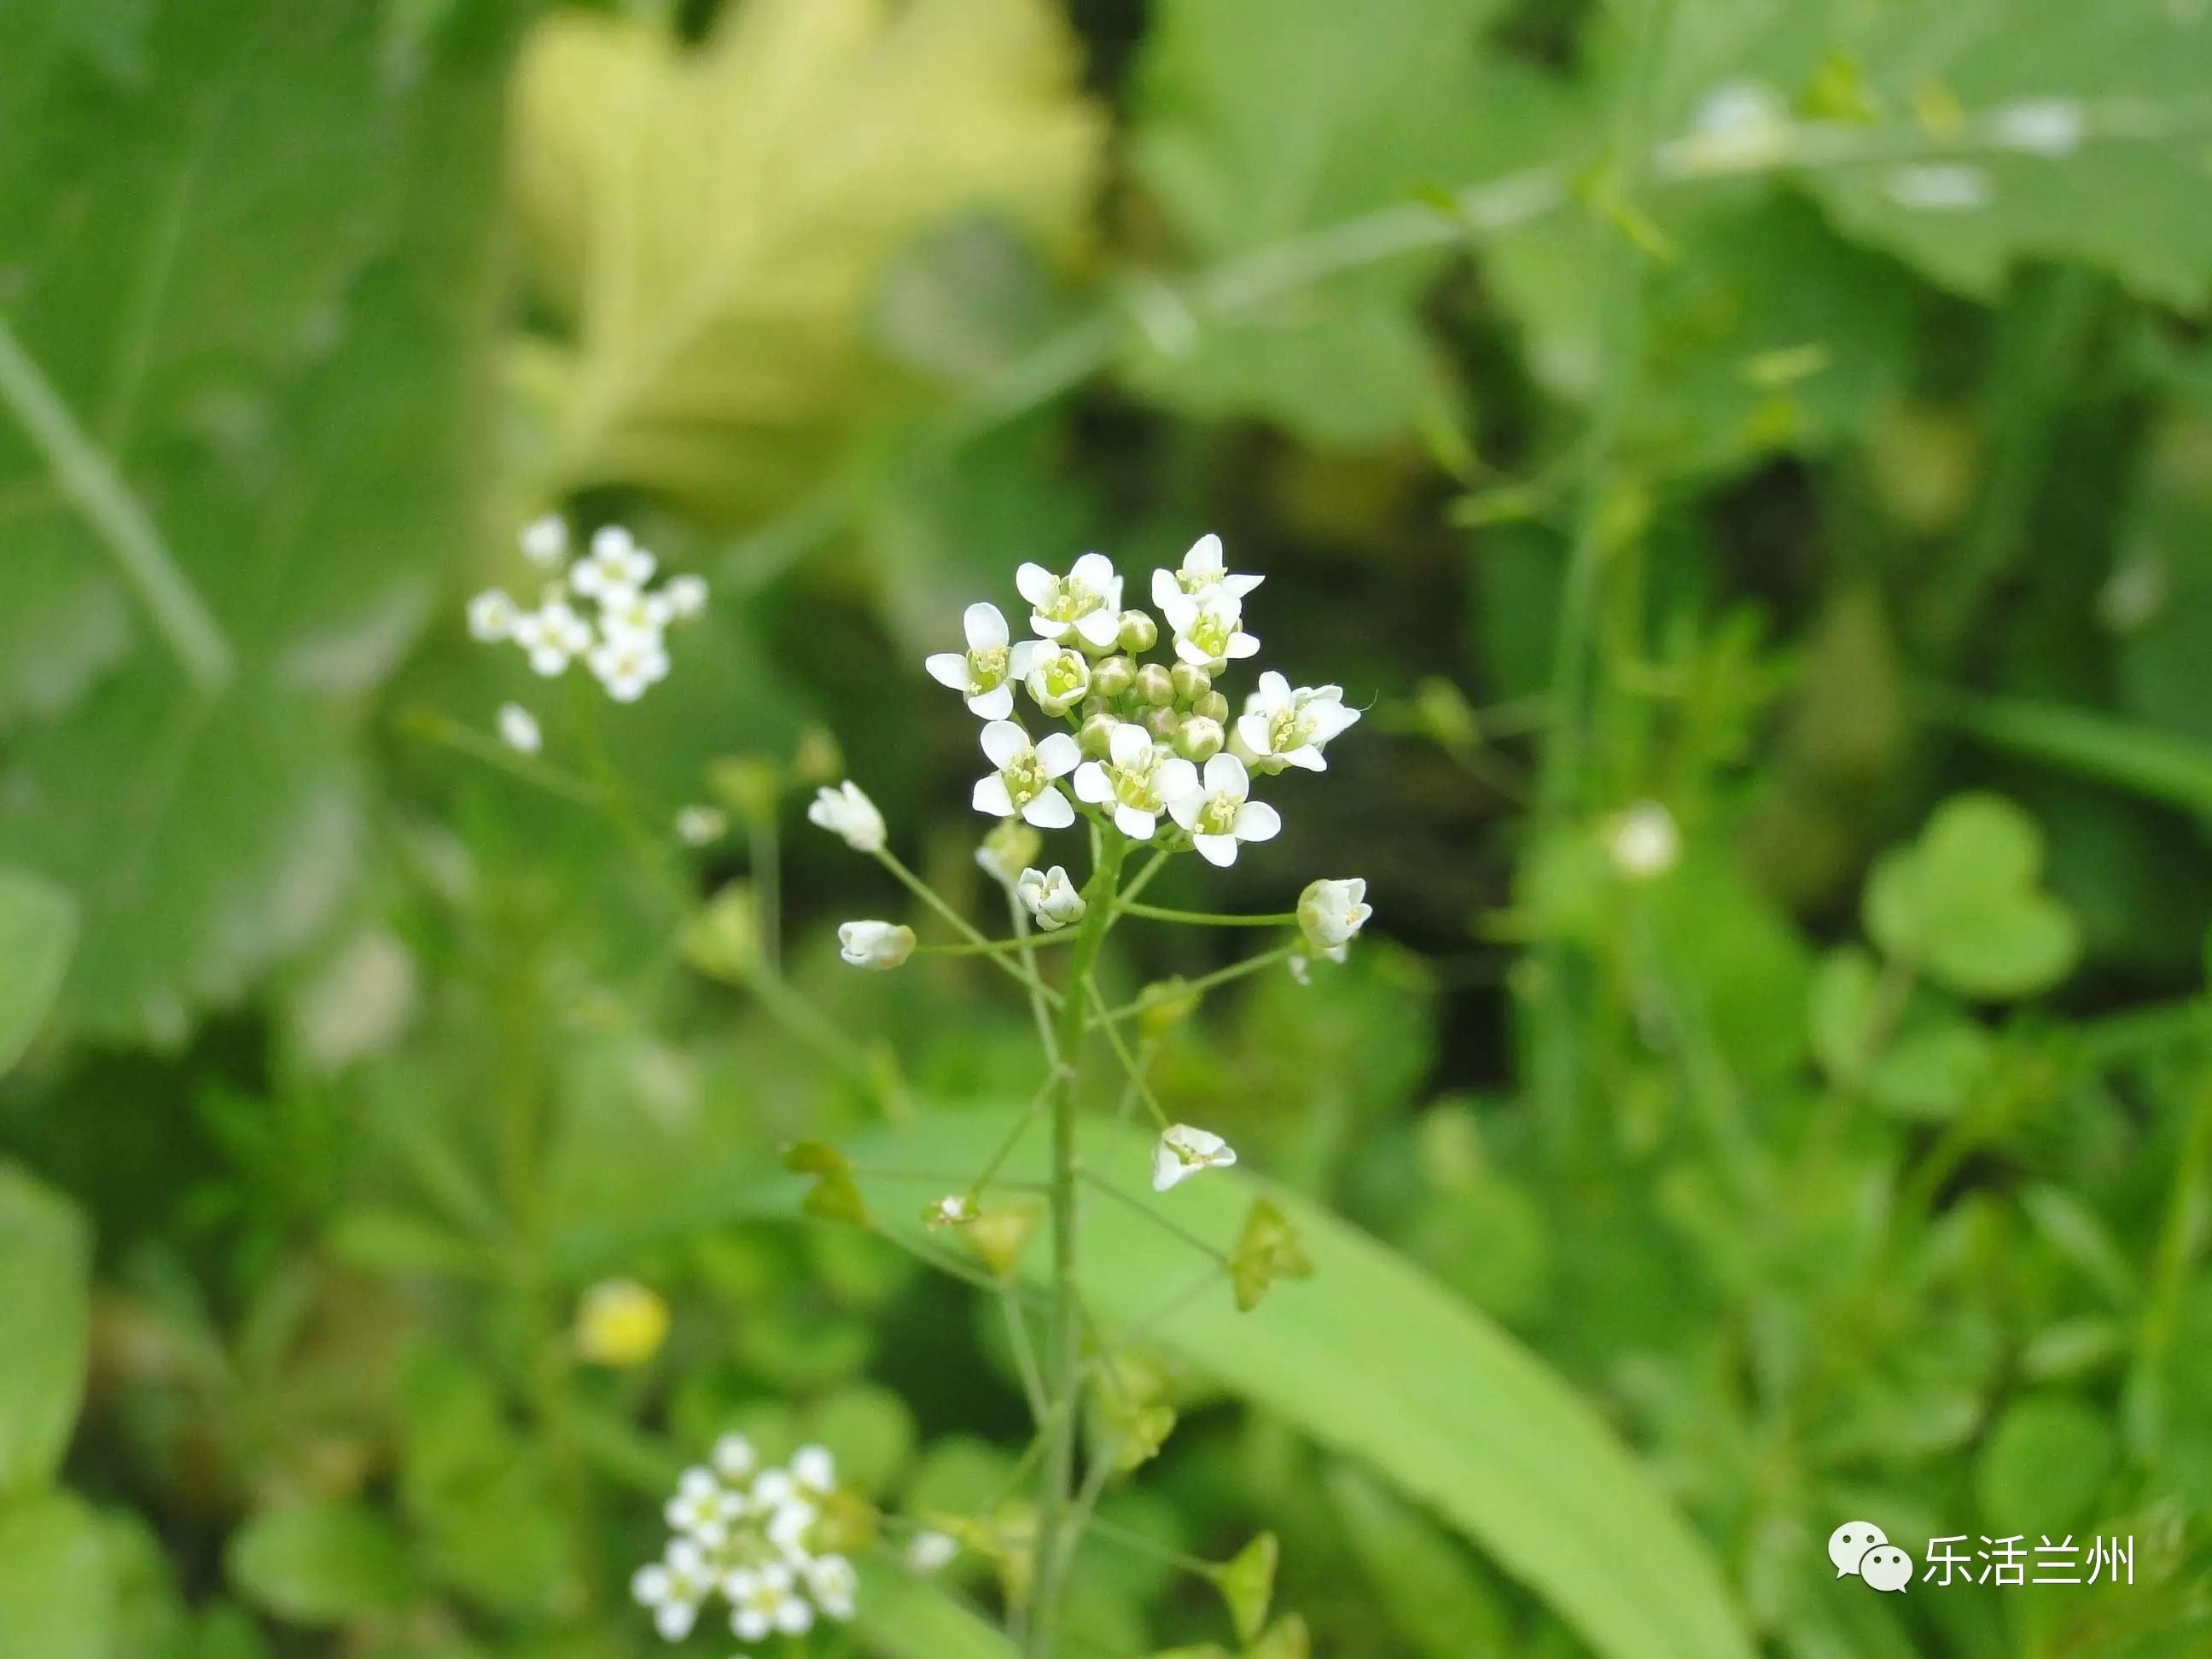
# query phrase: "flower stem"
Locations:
[[1208, 917], [1063, 1343], [960, 925]]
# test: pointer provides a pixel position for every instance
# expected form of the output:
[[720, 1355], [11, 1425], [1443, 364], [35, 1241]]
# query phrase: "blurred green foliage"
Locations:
[[1796, 415]]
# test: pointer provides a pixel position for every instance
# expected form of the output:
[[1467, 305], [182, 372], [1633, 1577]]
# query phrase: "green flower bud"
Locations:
[[1163, 724], [1190, 683], [1097, 737], [1155, 685], [1199, 739], [1211, 706], [1113, 677], [1139, 631]]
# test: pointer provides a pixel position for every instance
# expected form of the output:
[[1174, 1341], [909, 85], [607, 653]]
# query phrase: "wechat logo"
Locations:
[[1862, 1548]]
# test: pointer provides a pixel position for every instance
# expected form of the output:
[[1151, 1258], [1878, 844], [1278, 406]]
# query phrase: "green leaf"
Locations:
[[1442, 1403], [903, 1618], [2118, 753], [322, 1564], [2043, 1465], [245, 254], [57, 1581], [38, 930], [714, 278], [1963, 904], [1431, 1590], [1247, 1583], [45, 1265], [1257, 120]]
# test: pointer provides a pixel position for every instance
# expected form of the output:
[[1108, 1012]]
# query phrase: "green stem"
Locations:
[[1208, 917], [1129, 1067], [987, 948], [1063, 1345], [1017, 948], [1160, 995], [768, 889], [466, 740], [2178, 1238]]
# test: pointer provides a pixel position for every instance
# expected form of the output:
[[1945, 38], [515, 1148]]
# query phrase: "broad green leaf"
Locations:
[[714, 269], [1258, 120], [1963, 904], [1436, 1594], [45, 1265], [1439, 1402], [2127, 75], [245, 253], [57, 1581], [37, 928], [2119, 753], [321, 1563]]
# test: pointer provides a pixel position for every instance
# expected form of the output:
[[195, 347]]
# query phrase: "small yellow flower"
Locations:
[[620, 1322]]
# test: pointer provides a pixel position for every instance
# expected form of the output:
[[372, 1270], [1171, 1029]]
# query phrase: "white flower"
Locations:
[[1024, 782], [1330, 914], [615, 562], [875, 943], [1137, 779], [764, 1603], [632, 614], [701, 1508], [1201, 575], [1209, 629], [1086, 602], [846, 812], [686, 596], [492, 615], [701, 826], [787, 1526], [1183, 1152], [814, 1470], [1058, 680], [834, 1585], [544, 541], [518, 729], [673, 1587], [626, 663], [1739, 125], [1643, 842], [984, 674], [1283, 728], [1052, 900], [553, 634], [953, 1209], [1217, 814], [927, 1550], [735, 1460]]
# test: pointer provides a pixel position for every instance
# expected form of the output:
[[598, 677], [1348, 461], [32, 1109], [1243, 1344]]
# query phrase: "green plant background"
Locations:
[[1858, 1167]]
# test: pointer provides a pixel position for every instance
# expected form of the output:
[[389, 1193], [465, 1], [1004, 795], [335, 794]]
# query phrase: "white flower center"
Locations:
[[1072, 599], [1210, 631], [1066, 675], [1134, 786], [1291, 729], [1025, 779]]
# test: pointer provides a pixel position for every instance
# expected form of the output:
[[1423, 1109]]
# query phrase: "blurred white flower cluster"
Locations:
[[599, 608], [748, 1535], [1150, 746]]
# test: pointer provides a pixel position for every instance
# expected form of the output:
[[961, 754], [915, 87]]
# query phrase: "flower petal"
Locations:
[[1058, 755], [1100, 628], [1135, 824], [1216, 849], [1241, 645], [1129, 744], [1091, 786], [947, 668], [1050, 811], [1164, 588], [1034, 583], [984, 626], [1307, 758], [993, 705], [1275, 693], [1204, 560], [1095, 571], [1005, 742], [1185, 808], [1175, 776], [991, 796], [1257, 821], [1237, 587], [1252, 731], [1226, 776]]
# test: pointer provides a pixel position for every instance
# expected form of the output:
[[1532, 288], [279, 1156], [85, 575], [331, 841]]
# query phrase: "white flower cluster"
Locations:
[[746, 1533], [622, 642], [1149, 745]]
